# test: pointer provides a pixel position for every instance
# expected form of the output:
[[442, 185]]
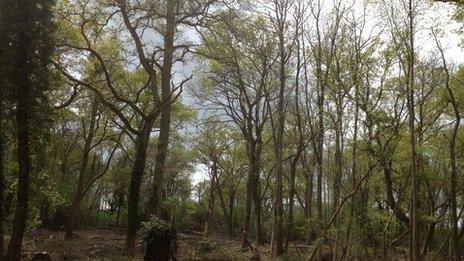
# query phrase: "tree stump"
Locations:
[[161, 240]]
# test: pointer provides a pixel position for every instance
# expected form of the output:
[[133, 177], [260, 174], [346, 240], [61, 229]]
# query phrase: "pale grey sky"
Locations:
[[437, 15]]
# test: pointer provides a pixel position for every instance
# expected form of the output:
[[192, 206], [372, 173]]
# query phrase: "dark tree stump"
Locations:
[[162, 249], [161, 241]]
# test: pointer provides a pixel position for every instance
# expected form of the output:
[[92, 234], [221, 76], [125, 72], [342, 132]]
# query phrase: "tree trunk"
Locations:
[[281, 9], [141, 146], [299, 150], [292, 191], [227, 210], [277, 247], [309, 196], [453, 183], [75, 206], [2, 173], [400, 215], [118, 211], [319, 155], [211, 200], [165, 122], [338, 158], [291, 200], [414, 226], [257, 204], [338, 167], [252, 195], [230, 221], [248, 205], [24, 98], [308, 190], [454, 174]]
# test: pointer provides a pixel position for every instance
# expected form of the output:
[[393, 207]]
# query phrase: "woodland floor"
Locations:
[[107, 244]]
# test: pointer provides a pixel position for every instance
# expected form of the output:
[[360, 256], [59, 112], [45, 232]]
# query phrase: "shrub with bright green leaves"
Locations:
[[156, 228]]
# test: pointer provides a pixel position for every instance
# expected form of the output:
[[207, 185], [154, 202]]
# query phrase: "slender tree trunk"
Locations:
[[248, 205], [2, 173], [300, 146], [75, 206], [120, 204], [277, 247], [257, 204], [3, 98], [292, 191], [252, 196], [354, 165], [230, 221], [319, 183], [226, 209], [319, 132], [337, 182], [165, 123], [338, 158], [211, 199], [309, 195], [291, 202], [453, 183], [23, 121], [429, 238], [454, 217], [319, 154], [390, 199], [138, 169], [414, 226], [309, 189]]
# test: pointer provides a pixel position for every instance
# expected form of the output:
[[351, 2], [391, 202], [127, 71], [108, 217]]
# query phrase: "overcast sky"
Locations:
[[439, 15]]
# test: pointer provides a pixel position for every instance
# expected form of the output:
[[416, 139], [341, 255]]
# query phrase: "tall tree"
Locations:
[[2, 170], [281, 10], [192, 15], [3, 96], [28, 27], [138, 109], [323, 46], [165, 120], [455, 105], [96, 130], [414, 247], [238, 84]]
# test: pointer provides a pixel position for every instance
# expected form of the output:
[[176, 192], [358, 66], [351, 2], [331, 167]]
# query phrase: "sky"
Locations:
[[437, 14]]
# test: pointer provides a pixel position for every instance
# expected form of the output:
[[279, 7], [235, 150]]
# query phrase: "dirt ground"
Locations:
[[107, 244], [89, 244]]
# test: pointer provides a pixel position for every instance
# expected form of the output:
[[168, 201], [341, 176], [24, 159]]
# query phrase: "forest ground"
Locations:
[[107, 244]]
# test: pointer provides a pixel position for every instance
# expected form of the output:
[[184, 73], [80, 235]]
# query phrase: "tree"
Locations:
[[193, 15], [27, 26], [2, 149], [140, 119], [2, 172], [238, 84], [455, 105], [165, 121], [3, 129], [95, 132], [281, 11], [210, 148]]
